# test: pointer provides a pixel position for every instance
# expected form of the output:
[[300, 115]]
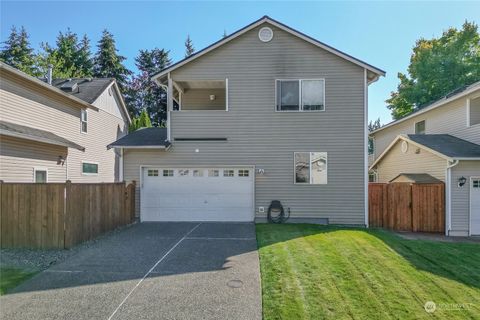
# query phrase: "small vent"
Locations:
[[265, 34], [69, 86]]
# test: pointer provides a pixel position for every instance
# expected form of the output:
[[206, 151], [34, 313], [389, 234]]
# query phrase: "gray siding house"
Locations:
[[443, 141], [59, 131], [265, 114]]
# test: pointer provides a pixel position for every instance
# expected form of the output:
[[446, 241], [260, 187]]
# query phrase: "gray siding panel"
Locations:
[[259, 136], [460, 203]]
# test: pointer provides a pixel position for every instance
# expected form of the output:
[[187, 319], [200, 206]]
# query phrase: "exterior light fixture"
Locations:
[[212, 97], [462, 181]]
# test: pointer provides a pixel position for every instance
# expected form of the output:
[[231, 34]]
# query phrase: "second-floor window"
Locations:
[[474, 115], [300, 95], [83, 121], [420, 127]]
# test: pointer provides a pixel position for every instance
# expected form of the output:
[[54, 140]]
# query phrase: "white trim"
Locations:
[[90, 173], [415, 126], [161, 167], [448, 195], [470, 204], [35, 169], [120, 169], [226, 94], [468, 113], [140, 147], [265, 19], [169, 105], [300, 100], [474, 87], [365, 128]]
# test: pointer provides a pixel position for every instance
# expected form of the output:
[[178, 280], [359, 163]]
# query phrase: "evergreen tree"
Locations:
[[70, 58], [18, 53], [437, 67], [189, 49], [142, 92], [140, 121], [108, 63], [372, 126], [84, 57]]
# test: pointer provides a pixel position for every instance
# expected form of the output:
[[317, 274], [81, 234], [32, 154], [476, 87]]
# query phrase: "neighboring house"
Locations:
[[264, 114], [443, 141], [59, 132]]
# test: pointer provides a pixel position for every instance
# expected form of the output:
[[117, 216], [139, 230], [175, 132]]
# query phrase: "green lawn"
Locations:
[[318, 272], [12, 277]]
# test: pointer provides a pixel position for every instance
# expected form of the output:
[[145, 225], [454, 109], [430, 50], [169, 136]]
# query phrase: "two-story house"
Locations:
[[267, 113], [58, 130], [440, 141]]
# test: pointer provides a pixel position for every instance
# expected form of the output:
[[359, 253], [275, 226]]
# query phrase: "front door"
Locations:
[[475, 206]]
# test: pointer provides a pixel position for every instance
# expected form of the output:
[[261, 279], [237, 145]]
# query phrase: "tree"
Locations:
[[18, 53], [189, 49], [108, 63], [70, 57], [372, 126], [437, 67], [140, 121], [142, 92]]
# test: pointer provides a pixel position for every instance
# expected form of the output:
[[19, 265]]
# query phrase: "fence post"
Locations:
[[66, 215]]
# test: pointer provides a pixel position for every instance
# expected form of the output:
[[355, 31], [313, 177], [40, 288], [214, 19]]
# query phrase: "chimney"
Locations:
[[50, 74]]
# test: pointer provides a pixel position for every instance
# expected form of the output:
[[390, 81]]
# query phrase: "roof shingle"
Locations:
[[447, 145]]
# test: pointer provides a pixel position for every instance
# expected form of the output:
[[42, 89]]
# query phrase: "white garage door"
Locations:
[[475, 206], [196, 194]]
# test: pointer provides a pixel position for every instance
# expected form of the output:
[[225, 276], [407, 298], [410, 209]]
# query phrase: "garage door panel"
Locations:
[[197, 198]]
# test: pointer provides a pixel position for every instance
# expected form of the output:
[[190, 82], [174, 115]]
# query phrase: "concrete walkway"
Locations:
[[150, 271]]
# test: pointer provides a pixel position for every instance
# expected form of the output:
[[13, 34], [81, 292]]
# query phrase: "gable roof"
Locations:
[[87, 89], [143, 138], [378, 72], [455, 94], [447, 145], [442, 145], [418, 178], [12, 71], [28, 133]]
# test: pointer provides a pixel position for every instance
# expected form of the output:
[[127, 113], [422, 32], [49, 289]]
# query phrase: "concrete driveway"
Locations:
[[150, 271]]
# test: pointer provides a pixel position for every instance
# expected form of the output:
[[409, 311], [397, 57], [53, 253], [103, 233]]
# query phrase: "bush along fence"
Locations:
[[406, 206], [61, 215]]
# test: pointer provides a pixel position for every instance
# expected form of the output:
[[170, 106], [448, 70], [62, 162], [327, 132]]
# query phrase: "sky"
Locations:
[[379, 33]]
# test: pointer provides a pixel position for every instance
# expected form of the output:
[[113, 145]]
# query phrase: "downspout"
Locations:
[[120, 178], [365, 144], [448, 191]]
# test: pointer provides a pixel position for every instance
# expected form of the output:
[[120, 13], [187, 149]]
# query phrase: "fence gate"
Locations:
[[405, 206]]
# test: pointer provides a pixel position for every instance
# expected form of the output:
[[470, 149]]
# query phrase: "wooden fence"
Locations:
[[407, 207], [60, 215]]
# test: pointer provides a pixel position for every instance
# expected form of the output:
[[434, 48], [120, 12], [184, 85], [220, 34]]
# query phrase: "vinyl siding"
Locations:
[[199, 99], [448, 119], [396, 162], [460, 203], [259, 136], [24, 103], [18, 157]]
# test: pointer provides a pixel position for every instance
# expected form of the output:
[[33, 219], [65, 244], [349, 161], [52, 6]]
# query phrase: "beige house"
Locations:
[[59, 131], [443, 141], [267, 113]]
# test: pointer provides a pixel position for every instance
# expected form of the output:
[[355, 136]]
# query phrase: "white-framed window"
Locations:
[[228, 173], [474, 111], [372, 176], [213, 173], [420, 127], [475, 183], [300, 95], [183, 172], [40, 175], [310, 167], [167, 173], [198, 173], [89, 168], [152, 173], [83, 121], [243, 173]]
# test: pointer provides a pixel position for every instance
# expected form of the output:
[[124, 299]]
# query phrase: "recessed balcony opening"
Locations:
[[200, 95]]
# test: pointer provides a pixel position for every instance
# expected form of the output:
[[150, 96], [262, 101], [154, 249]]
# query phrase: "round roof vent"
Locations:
[[265, 34], [404, 146]]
